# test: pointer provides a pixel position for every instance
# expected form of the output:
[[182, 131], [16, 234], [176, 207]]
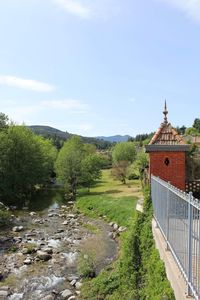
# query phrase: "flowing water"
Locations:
[[56, 228]]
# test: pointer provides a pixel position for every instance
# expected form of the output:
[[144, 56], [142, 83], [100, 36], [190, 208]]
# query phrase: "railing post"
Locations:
[[167, 217], [189, 244]]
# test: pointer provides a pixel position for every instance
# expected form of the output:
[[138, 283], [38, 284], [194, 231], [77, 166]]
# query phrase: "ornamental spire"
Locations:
[[165, 112]]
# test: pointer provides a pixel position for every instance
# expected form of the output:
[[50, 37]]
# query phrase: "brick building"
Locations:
[[167, 152]]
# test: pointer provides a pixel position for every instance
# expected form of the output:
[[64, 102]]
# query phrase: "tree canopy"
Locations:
[[123, 155], [196, 124], [25, 160], [124, 152], [77, 164], [3, 121]]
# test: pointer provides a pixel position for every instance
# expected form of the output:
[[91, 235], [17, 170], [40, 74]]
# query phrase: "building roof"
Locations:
[[166, 134], [167, 138]]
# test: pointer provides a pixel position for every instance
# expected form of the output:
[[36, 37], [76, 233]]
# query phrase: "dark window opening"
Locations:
[[167, 161]]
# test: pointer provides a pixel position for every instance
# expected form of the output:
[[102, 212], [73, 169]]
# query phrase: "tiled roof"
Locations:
[[166, 135]]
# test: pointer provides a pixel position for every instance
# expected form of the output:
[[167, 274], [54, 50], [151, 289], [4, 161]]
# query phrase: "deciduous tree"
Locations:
[[77, 164], [123, 155], [25, 160]]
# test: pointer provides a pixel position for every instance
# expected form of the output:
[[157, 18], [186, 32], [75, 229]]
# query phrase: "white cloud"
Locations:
[[91, 9], [70, 105], [75, 7], [28, 113], [28, 84], [190, 7]]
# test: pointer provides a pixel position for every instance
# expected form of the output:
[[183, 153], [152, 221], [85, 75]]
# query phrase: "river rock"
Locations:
[[73, 277], [71, 216], [64, 206], [48, 297], [60, 230], [66, 222], [27, 261], [70, 202], [115, 226], [17, 239], [78, 285], [48, 250], [30, 234], [62, 215], [4, 288], [32, 213], [25, 251], [72, 298], [50, 215], [17, 228], [115, 235], [111, 224], [122, 229], [66, 294], [43, 255], [4, 292], [73, 282], [38, 221]]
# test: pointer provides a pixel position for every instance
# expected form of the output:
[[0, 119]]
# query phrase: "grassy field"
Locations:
[[138, 273], [111, 199]]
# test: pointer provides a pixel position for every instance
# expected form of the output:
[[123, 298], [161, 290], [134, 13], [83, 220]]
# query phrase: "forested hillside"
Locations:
[[59, 137]]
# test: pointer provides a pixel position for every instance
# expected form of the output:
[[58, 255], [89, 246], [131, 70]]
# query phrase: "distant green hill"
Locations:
[[115, 138], [48, 131], [59, 136]]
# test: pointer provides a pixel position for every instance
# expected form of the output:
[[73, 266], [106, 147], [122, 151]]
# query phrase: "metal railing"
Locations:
[[178, 216]]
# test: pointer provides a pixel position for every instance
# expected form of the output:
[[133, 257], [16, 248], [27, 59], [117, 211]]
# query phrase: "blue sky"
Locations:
[[100, 67]]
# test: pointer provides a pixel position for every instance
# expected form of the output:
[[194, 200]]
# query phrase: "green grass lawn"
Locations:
[[111, 199]]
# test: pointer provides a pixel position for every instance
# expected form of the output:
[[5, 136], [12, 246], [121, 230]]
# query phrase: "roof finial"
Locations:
[[165, 112]]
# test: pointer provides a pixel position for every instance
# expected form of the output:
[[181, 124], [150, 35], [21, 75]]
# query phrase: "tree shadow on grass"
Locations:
[[108, 192]]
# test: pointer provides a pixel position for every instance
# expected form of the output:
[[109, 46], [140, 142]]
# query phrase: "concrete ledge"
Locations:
[[173, 273]]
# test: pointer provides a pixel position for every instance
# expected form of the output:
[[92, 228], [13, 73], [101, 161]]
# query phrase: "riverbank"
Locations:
[[138, 273]]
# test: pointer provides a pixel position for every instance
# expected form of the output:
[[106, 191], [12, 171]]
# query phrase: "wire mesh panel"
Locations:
[[178, 217]]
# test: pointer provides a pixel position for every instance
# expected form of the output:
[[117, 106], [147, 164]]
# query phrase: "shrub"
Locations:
[[86, 266], [4, 218]]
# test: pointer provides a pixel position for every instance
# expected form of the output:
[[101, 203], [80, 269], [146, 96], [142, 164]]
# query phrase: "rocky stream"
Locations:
[[39, 254]]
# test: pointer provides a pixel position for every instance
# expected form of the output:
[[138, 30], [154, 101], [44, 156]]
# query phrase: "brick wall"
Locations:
[[172, 170]]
